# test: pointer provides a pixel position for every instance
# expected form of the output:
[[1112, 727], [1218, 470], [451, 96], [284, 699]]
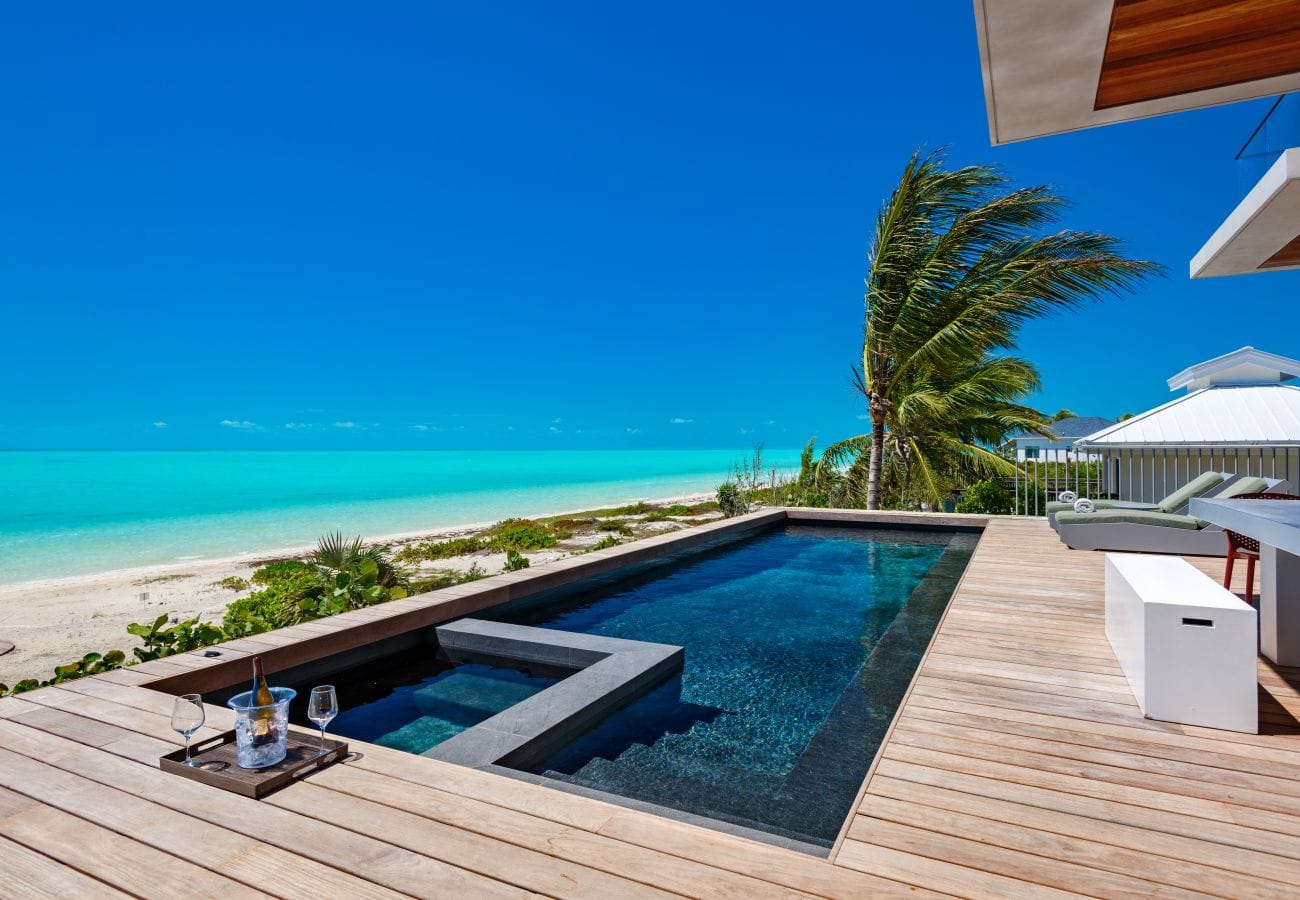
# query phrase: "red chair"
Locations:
[[1242, 547]]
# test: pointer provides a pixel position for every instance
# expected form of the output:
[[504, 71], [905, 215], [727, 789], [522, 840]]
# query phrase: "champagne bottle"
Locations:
[[261, 719]]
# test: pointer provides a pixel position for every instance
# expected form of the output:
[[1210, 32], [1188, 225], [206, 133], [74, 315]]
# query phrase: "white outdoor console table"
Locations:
[[1276, 525], [1186, 645]]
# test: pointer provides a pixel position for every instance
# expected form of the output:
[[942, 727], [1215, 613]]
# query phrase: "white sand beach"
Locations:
[[52, 621]]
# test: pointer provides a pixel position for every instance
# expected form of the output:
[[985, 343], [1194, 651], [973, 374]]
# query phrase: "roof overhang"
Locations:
[[1052, 66], [1263, 233], [1246, 366]]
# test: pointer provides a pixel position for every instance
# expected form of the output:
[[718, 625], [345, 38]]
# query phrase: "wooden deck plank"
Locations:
[[26, 873], [110, 857], [1148, 851], [634, 863]]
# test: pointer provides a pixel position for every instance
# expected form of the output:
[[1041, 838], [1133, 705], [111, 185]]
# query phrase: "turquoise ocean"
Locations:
[[78, 512]]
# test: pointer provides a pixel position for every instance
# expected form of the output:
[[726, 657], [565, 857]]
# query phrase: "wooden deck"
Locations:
[[1018, 766]]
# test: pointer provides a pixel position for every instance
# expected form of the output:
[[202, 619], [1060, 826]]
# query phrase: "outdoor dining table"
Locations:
[[1277, 528]]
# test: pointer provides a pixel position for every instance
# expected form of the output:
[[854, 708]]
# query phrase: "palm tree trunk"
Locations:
[[873, 468]]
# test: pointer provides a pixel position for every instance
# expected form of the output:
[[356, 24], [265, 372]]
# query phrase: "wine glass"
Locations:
[[187, 718], [322, 708]]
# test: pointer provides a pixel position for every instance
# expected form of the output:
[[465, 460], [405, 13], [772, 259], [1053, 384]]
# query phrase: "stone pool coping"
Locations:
[[607, 673]]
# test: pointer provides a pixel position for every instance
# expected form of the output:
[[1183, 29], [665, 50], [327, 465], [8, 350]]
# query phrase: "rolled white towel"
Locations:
[[1084, 505], [1067, 496]]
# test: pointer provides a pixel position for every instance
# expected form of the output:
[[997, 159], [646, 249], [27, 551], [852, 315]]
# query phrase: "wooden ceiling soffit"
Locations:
[[1162, 48]]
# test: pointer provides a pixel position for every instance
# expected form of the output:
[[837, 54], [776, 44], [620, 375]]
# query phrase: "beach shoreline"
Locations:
[[54, 620]]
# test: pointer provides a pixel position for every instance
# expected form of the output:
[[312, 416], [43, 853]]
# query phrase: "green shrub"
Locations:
[[280, 570], [233, 583], [989, 497], [520, 534], [430, 550], [615, 525], [179, 638], [515, 561], [569, 524], [731, 500], [676, 509], [277, 605], [607, 541]]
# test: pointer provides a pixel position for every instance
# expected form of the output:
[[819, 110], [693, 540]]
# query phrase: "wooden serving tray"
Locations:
[[217, 766]]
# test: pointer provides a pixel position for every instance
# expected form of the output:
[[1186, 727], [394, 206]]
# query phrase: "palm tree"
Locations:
[[957, 264], [942, 432]]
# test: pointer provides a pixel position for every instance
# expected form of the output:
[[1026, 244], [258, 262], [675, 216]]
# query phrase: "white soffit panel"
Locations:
[[1042, 59], [1262, 224]]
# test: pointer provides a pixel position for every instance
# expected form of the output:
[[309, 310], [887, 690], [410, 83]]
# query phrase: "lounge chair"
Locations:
[[1205, 484], [1156, 531]]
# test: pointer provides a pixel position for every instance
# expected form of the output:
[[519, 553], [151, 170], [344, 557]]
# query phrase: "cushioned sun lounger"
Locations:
[[1176, 502], [1156, 531]]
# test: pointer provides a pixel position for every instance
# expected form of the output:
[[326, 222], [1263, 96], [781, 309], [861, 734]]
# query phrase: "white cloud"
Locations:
[[744, 431], [771, 421], [553, 430], [345, 424], [556, 421], [160, 424], [510, 428], [292, 425], [632, 430], [420, 427], [678, 420], [240, 424]]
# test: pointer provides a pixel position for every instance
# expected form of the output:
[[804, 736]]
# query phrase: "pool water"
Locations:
[[800, 643], [421, 700]]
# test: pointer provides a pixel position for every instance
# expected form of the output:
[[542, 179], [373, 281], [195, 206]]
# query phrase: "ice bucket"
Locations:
[[261, 732]]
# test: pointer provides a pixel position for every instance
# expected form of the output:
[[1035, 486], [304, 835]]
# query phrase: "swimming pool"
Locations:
[[800, 642]]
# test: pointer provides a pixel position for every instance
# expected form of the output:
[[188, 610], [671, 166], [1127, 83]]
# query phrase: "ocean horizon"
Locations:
[[79, 512]]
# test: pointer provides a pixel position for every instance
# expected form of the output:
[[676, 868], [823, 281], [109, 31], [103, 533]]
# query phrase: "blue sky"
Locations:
[[528, 225]]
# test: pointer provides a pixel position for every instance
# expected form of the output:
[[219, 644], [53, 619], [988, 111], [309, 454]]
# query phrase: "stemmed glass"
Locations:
[[322, 708], [187, 718]]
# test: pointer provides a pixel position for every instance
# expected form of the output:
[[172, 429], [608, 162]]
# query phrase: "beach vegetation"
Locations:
[[731, 500], [161, 579], [607, 541], [618, 525], [520, 534], [233, 583], [515, 561], [279, 570], [335, 554], [432, 550], [569, 524], [158, 639]]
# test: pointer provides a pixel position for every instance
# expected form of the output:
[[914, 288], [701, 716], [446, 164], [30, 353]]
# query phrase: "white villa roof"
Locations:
[[1229, 415]]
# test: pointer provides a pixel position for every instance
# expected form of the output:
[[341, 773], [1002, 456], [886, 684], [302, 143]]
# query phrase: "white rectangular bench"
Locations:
[[1187, 646]]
